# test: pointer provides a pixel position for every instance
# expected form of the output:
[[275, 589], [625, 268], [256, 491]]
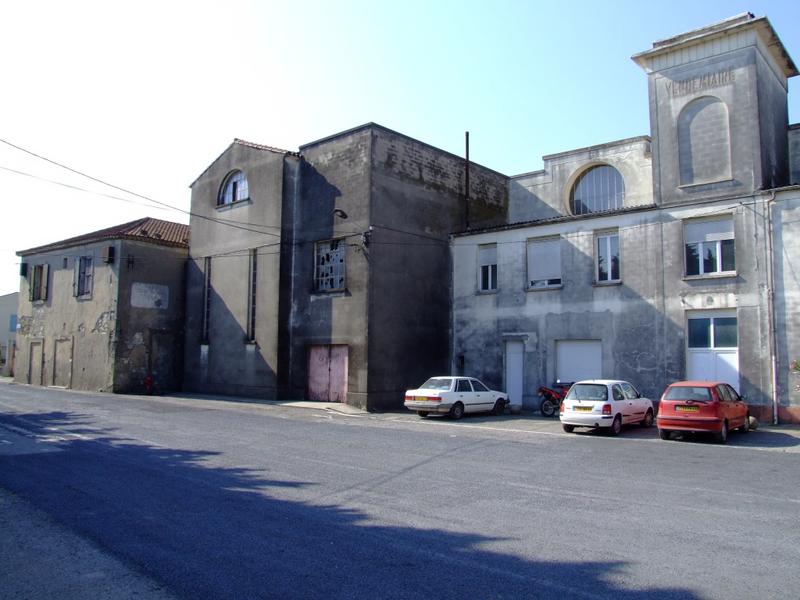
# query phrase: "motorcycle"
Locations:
[[552, 398]]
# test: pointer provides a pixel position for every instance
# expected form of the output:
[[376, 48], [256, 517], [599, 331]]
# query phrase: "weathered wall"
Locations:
[[228, 363], [546, 194], [150, 317], [641, 322], [786, 226], [83, 328], [333, 175], [417, 201]]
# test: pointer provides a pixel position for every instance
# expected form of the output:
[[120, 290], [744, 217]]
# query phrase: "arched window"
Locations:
[[233, 189], [597, 189], [704, 141]]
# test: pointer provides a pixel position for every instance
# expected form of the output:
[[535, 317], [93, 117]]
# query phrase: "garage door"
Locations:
[[579, 359]]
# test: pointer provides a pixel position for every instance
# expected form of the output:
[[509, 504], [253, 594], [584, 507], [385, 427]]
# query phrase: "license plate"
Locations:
[[687, 408], [421, 399], [582, 408]]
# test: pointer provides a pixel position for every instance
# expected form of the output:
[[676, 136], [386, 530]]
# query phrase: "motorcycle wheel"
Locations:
[[548, 407]]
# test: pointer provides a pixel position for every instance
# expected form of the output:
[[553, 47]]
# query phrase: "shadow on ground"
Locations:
[[206, 531]]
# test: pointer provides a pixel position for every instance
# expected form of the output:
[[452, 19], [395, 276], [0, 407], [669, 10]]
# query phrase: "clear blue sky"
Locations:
[[145, 95]]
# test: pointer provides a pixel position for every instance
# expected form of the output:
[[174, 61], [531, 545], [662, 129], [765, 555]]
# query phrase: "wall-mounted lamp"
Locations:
[[339, 213]]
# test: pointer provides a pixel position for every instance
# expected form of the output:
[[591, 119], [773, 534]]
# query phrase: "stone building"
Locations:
[[657, 258], [8, 332], [325, 274], [104, 311]]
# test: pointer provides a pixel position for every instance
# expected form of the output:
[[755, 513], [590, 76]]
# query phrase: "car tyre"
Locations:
[[422, 413], [568, 428], [499, 407], [664, 434], [648, 419], [616, 426], [722, 436], [548, 407], [457, 411], [745, 428]]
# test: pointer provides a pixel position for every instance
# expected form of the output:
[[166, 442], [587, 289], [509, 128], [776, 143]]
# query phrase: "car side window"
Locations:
[[479, 387], [735, 397], [630, 391], [462, 385], [724, 395], [617, 393]]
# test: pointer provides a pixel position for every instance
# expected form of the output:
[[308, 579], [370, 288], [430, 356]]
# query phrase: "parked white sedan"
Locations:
[[604, 403], [454, 396]]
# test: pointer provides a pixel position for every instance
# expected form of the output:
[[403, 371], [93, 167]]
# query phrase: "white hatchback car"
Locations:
[[604, 403], [454, 396]]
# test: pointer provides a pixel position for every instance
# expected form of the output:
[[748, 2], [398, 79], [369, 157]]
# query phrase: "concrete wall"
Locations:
[[150, 317], [228, 363], [641, 321], [417, 196], [8, 331], [335, 174], [79, 332], [546, 194], [786, 226]]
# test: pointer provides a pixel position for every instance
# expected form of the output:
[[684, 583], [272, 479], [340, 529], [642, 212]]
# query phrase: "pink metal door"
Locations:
[[327, 373]]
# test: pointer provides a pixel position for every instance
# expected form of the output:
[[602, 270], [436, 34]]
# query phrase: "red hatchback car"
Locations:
[[710, 406]]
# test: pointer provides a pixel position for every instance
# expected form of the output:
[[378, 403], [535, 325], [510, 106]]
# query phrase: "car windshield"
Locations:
[[437, 383], [686, 393], [588, 391]]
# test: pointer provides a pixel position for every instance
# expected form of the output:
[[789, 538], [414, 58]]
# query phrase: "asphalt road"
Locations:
[[205, 499]]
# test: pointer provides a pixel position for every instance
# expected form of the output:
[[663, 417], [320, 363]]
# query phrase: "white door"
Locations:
[[514, 363], [578, 359], [713, 352]]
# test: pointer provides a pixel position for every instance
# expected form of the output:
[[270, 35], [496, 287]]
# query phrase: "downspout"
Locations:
[[773, 344]]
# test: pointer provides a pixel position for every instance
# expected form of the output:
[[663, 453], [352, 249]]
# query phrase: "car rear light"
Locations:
[[606, 409], [409, 398], [434, 399]]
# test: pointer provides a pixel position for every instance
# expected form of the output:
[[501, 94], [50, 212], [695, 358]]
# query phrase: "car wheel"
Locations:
[[745, 428], [616, 426], [457, 411], [548, 407], [664, 434], [648, 419], [568, 428], [722, 436], [499, 407], [422, 413]]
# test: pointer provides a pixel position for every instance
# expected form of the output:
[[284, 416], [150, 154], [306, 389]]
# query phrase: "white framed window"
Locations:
[[709, 246], [233, 189], [544, 263], [38, 285], [607, 257], [329, 265], [487, 267], [83, 277]]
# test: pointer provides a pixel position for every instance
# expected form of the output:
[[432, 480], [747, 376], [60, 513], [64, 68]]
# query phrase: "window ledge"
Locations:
[[689, 186], [486, 292], [337, 293], [224, 207], [545, 288], [614, 283], [721, 275]]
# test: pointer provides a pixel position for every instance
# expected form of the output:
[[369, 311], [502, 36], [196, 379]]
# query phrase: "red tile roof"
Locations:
[[153, 231]]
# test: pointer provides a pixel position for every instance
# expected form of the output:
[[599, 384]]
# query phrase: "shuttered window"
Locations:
[[544, 263], [487, 267], [709, 246], [83, 277]]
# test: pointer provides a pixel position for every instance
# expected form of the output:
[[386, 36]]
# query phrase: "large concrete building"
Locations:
[[104, 311], [657, 258], [325, 274]]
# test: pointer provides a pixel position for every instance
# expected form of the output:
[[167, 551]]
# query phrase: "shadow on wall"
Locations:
[[207, 531]]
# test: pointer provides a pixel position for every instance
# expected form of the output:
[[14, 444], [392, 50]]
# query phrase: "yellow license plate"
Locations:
[[421, 399], [583, 408], [687, 408]]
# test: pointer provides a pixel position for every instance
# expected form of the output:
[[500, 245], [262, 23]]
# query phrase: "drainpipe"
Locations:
[[773, 343]]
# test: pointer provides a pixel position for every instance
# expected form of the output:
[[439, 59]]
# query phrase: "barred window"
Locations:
[[329, 265]]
